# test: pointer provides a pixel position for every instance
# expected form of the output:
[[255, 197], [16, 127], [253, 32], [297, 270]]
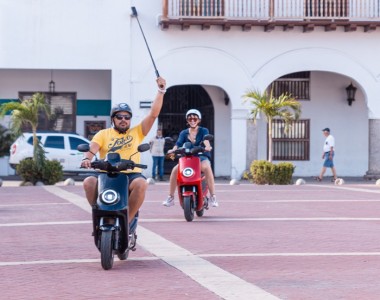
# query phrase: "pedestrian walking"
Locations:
[[328, 155]]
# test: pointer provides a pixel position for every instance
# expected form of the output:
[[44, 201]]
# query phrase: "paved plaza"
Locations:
[[312, 241]]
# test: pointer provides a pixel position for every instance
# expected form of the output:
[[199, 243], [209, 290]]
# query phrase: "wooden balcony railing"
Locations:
[[246, 13]]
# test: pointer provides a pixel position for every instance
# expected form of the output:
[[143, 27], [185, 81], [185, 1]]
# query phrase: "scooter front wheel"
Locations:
[[106, 251], [188, 208]]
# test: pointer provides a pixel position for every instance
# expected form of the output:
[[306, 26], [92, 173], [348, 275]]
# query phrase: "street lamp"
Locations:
[[51, 83], [351, 90]]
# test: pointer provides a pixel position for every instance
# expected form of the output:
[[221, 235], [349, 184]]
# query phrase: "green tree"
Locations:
[[283, 107], [24, 113], [6, 139]]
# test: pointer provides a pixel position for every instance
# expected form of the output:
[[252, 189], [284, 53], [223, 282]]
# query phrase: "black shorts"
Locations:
[[133, 176]]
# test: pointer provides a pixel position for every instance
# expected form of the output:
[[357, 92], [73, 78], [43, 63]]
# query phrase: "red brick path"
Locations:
[[294, 242]]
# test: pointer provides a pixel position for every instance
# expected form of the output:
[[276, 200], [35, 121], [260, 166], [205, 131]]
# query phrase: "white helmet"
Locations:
[[194, 112]]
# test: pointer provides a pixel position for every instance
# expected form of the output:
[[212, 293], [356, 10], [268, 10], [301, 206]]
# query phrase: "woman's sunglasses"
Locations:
[[194, 119], [121, 117]]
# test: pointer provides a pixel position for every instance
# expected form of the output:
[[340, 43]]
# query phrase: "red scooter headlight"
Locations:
[[188, 172]]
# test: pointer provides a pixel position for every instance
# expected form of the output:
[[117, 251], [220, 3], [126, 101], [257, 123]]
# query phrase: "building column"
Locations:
[[238, 142], [374, 150], [252, 143]]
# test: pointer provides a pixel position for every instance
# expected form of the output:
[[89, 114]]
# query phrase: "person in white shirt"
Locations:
[[157, 149], [328, 155]]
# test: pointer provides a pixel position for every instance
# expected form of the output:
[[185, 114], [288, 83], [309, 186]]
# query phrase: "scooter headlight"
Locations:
[[109, 197], [188, 172]]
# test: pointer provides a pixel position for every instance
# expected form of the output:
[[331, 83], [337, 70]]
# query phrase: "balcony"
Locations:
[[269, 14]]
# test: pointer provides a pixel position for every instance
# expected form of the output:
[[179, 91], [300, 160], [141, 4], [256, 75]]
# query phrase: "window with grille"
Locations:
[[293, 143], [63, 110], [295, 84]]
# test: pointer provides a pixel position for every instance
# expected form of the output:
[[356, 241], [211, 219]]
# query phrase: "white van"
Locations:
[[59, 146]]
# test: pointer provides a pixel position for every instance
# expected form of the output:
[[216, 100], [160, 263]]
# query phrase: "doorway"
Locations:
[[178, 100]]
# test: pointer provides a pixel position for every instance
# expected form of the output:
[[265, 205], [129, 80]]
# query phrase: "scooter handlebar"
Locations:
[[194, 150], [120, 166], [129, 165], [141, 166], [100, 164]]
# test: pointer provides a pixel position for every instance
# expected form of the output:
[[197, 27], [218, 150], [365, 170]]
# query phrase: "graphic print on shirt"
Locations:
[[119, 143]]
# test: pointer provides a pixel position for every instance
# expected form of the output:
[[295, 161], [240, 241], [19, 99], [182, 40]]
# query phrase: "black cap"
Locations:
[[326, 129]]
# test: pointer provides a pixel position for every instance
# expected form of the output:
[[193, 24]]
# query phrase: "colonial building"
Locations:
[[91, 53]]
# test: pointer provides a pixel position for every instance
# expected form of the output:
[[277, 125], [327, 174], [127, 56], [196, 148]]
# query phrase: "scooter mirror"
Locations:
[[208, 137], [143, 147], [83, 147]]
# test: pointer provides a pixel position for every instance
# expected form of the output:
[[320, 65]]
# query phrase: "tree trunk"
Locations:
[[35, 142]]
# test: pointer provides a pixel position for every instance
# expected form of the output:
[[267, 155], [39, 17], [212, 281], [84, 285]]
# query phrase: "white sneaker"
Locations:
[[214, 203], [169, 201]]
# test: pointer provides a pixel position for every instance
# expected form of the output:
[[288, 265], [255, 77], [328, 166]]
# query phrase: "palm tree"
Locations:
[[24, 113], [283, 107]]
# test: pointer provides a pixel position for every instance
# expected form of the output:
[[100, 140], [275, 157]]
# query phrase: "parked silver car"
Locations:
[[58, 146]]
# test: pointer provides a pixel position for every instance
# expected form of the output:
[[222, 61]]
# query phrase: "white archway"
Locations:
[[321, 59], [211, 67]]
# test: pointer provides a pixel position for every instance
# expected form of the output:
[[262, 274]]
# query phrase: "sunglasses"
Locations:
[[121, 117], [192, 119]]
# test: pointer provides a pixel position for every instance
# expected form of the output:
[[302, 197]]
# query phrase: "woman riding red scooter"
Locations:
[[195, 135]]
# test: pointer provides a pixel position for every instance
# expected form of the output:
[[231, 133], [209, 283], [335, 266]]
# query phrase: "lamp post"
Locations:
[[51, 83], [351, 90]]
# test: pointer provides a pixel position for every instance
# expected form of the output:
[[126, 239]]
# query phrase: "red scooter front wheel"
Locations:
[[188, 208]]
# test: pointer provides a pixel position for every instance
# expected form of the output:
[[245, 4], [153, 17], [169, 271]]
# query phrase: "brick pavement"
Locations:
[[316, 241]]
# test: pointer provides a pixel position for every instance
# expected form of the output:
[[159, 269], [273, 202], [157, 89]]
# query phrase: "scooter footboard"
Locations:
[[122, 231]]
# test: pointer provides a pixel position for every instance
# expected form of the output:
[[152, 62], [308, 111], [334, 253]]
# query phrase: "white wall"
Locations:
[[89, 84], [101, 35], [328, 107]]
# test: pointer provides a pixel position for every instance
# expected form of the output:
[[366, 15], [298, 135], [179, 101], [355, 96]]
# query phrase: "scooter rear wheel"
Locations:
[[106, 251], [188, 208]]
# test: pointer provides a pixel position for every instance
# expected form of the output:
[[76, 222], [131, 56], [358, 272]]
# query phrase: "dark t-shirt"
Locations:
[[184, 137]]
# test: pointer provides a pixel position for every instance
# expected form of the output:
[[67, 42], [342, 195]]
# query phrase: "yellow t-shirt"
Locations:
[[126, 144]]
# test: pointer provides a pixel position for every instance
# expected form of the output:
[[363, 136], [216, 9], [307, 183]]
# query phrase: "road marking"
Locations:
[[147, 258], [65, 261], [68, 196], [26, 204], [45, 223], [205, 219], [292, 254], [215, 279], [377, 191], [209, 219], [237, 201]]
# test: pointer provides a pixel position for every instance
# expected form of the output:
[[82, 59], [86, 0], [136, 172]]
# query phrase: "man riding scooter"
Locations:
[[123, 139]]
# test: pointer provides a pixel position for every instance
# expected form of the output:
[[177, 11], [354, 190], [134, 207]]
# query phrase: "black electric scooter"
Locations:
[[111, 230]]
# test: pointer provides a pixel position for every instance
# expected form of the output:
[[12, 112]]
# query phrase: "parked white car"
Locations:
[[58, 146]]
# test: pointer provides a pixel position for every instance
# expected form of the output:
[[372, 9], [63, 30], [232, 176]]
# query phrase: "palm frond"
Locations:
[[282, 107]]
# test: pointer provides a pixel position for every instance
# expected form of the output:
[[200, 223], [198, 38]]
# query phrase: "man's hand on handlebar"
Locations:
[[86, 164]]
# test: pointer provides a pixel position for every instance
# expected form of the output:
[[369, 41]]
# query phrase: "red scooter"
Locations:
[[191, 183]]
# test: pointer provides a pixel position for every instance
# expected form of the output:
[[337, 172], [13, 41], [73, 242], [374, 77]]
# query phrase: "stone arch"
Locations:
[[314, 59]]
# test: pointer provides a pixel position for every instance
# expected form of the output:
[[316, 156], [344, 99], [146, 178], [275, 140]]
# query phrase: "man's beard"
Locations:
[[121, 130]]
